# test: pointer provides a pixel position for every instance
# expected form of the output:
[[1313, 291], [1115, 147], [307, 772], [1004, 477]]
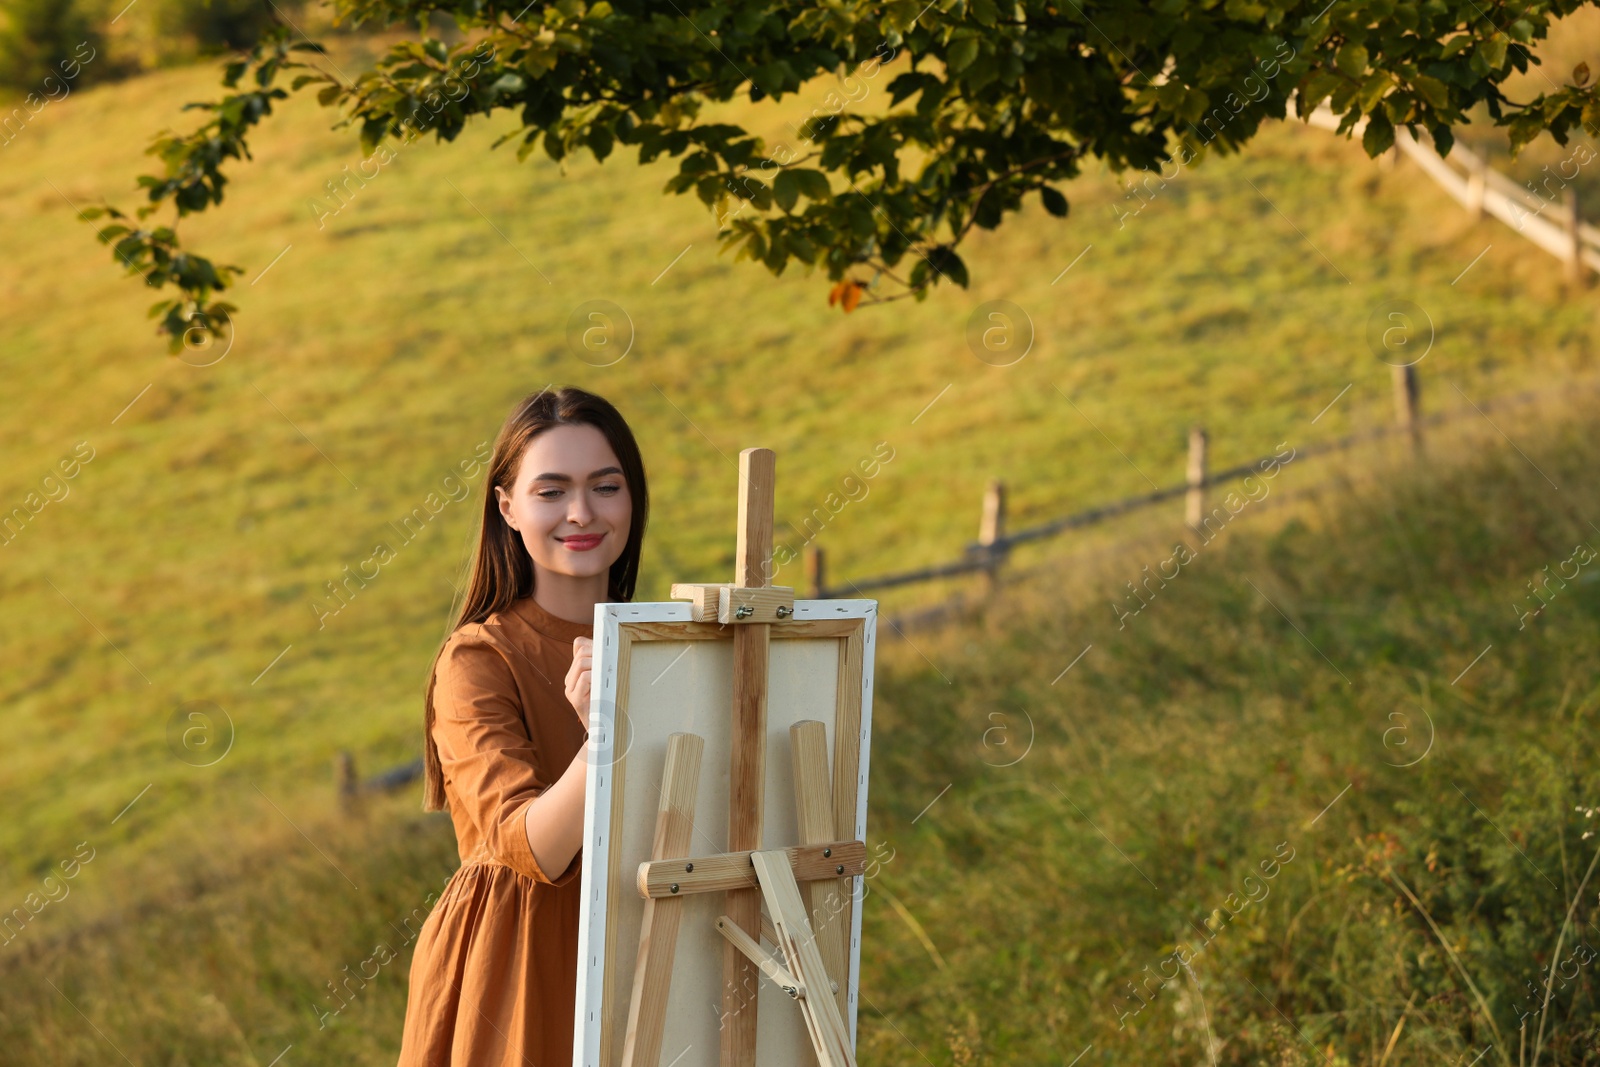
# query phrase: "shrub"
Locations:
[[37, 37]]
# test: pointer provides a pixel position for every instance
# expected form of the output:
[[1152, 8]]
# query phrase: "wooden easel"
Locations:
[[813, 966]]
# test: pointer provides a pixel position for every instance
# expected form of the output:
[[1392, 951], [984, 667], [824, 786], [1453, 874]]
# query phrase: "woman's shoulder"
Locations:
[[499, 629], [478, 648], [501, 640]]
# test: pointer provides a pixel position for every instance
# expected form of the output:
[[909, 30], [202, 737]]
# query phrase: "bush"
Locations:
[[209, 26], [40, 36]]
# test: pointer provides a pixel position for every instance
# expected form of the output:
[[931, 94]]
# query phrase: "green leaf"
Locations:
[[792, 184], [1523, 129], [1317, 88], [1434, 91], [1053, 201], [785, 190], [1195, 102], [1352, 59], [946, 263], [1493, 50], [1444, 139], [1372, 90], [813, 184], [908, 83], [961, 54], [768, 77], [1379, 137]]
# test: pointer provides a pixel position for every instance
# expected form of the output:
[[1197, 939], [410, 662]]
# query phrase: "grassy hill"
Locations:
[[381, 348], [1331, 701]]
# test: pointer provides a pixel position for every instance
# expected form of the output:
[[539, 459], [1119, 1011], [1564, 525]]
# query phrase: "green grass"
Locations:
[[1046, 834], [377, 353]]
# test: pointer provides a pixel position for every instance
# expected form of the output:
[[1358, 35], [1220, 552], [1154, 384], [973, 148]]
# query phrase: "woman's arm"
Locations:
[[486, 753], [554, 819]]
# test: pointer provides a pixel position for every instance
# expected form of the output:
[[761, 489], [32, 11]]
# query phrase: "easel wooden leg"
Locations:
[[829, 1035], [658, 936], [813, 803]]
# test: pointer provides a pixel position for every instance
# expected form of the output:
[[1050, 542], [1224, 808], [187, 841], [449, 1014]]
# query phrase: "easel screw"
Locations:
[[688, 867], [744, 611], [784, 611], [674, 887], [839, 869], [827, 852]]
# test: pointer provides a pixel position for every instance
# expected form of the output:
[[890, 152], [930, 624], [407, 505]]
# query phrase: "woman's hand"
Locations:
[[578, 677]]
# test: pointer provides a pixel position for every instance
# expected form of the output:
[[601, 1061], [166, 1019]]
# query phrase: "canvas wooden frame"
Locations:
[[820, 667]]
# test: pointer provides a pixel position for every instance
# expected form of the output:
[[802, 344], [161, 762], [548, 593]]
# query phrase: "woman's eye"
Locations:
[[548, 494], [608, 488]]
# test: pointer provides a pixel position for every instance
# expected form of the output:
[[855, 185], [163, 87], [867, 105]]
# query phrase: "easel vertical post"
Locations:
[[747, 768]]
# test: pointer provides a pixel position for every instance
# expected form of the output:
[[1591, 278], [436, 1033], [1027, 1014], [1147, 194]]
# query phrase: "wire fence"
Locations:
[[990, 554]]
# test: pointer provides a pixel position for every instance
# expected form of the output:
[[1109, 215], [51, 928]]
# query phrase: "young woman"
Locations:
[[494, 970]]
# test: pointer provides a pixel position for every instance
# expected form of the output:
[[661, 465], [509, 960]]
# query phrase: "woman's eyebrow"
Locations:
[[553, 477]]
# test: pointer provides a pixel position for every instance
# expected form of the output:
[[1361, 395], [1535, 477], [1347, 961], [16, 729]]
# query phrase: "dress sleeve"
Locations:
[[486, 753]]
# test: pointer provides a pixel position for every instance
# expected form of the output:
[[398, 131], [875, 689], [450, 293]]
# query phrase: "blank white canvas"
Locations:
[[687, 686]]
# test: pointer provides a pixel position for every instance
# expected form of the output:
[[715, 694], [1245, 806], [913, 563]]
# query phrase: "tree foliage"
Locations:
[[991, 102]]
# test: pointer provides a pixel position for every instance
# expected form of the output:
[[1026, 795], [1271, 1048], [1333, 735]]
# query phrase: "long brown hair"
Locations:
[[502, 571]]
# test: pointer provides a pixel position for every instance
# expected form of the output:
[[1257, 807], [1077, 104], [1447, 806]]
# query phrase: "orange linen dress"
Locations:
[[494, 971]]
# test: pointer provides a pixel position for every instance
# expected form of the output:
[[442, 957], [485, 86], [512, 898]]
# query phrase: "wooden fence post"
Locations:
[[1195, 499], [1477, 184], [993, 527], [1406, 402], [344, 776], [1575, 269], [814, 573]]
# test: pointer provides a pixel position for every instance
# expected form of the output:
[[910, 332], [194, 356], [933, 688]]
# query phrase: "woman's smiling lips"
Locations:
[[581, 542]]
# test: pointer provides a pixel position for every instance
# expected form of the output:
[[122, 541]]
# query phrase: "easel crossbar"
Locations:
[[734, 870]]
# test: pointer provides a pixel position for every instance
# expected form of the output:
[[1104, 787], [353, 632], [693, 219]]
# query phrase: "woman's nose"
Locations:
[[579, 513]]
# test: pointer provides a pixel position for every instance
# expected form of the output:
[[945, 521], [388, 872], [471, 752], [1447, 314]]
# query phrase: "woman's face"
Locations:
[[570, 502]]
